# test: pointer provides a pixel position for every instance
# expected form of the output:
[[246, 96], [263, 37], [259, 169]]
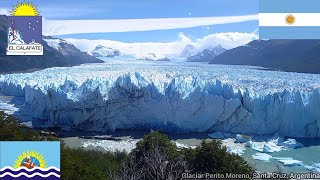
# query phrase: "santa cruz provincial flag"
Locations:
[[289, 19]]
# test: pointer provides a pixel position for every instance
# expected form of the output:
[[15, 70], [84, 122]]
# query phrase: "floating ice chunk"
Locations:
[[267, 147], [271, 147], [258, 146], [314, 168], [291, 162], [262, 157], [232, 146], [242, 138], [109, 145], [235, 150], [288, 161], [8, 108], [249, 143], [283, 158], [291, 143], [180, 145]]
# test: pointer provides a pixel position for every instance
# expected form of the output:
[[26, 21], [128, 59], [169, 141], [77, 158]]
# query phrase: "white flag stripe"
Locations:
[[279, 19]]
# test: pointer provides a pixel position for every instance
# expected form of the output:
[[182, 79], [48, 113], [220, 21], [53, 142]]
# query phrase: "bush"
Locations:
[[159, 140], [157, 157], [11, 130], [79, 164], [212, 157]]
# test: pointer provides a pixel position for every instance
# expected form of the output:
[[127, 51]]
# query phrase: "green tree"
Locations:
[[155, 157], [11, 130], [157, 139], [212, 157]]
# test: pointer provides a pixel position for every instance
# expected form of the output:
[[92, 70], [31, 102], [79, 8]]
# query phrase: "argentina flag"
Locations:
[[289, 19]]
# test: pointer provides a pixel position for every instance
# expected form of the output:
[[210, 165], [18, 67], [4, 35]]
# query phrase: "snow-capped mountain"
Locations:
[[137, 51], [69, 51], [285, 55], [188, 51], [177, 98], [207, 55], [103, 51], [182, 48], [151, 57], [15, 37]]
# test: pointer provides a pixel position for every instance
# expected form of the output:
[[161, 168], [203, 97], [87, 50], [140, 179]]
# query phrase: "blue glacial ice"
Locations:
[[314, 168], [288, 161], [178, 97], [262, 157]]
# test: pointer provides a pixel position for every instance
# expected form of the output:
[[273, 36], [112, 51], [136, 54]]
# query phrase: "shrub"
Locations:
[[156, 139], [212, 157], [155, 157]]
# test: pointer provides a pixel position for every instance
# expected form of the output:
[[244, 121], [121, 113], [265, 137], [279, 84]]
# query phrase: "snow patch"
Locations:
[[54, 43]]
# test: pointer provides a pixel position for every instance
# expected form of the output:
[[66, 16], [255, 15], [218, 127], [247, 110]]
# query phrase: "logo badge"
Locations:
[[290, 19], [25, 30], [29, 160]]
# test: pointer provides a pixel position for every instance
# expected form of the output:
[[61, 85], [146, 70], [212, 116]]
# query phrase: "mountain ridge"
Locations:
[[207, 54], [285, 55]]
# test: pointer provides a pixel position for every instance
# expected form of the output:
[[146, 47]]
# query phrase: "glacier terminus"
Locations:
[[174, 97]]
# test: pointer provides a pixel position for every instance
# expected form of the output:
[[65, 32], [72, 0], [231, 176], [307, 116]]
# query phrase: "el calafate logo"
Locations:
[[25, 30]]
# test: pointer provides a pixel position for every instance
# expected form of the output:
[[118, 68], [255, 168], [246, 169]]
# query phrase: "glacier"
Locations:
[[175, 97]]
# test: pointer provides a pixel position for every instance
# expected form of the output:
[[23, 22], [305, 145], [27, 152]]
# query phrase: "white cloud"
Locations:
[[184, 39], [227, 40], [4, 12], [63, 27]]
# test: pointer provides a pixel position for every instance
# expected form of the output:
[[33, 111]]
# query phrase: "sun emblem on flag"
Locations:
[[30, 160], [290, 19], [25, 9]]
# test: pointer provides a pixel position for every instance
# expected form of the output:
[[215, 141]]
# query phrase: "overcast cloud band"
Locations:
[[64, 27]]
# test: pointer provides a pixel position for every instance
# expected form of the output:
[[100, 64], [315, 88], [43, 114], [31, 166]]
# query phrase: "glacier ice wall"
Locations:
[[180, 98]]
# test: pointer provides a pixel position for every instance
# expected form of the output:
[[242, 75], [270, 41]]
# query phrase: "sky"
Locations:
[[144, 20]]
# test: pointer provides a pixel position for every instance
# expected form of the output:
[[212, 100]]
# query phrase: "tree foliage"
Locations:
[[212, 157], [157, 157], [159, 140]]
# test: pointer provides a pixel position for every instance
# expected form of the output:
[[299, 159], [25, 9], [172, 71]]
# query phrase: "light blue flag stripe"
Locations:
[[289, 6], [287, 32]]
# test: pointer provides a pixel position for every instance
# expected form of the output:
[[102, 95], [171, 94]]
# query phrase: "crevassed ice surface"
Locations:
[[179, 97]]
